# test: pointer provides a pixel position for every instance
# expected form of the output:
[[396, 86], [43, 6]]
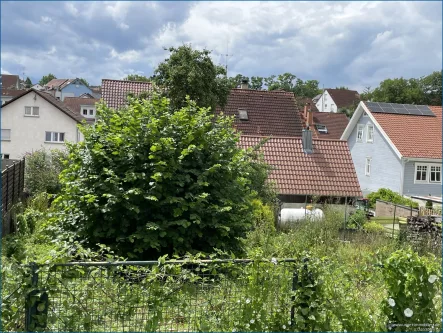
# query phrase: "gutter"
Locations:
[[402, 173]]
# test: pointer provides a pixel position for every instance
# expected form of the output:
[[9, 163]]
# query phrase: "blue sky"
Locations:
[[356, 44]]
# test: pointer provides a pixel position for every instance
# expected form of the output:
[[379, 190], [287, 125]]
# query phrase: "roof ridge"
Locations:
[[146, 82], [264, 91], [289, 137]]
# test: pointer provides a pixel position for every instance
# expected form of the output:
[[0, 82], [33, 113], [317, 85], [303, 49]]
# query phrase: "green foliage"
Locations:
[[414, 287], [86, 83], [158, 180], [28, 83], [192, 73], [289, 82], [374, 227], [263, 217], [388, 195], [428, 204], [357, 219], [425, 90], [42, 169], [46, 78], [136, 77]]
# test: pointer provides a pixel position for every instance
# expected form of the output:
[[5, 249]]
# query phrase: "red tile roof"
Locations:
[[269, 112], [10, 81], [74, 103], [329, 171], [51, 99], [343, 97], [12, 92], [114, 92], [335, 123], [56, 83], [414, 136]]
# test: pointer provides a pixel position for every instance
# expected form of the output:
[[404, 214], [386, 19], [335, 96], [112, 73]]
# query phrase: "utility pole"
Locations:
[[227, 55]]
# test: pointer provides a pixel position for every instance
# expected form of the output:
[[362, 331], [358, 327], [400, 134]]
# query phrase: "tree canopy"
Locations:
[[189, 72], [46, 78], [136, 77], [86, 83], [28, 83], [425, 90], [153, 180]]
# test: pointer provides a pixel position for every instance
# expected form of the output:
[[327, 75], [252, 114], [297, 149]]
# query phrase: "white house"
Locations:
[[333, 99], [36, 120], [38, 87]]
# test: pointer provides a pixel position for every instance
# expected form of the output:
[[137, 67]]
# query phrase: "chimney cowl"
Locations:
[[244, 83]]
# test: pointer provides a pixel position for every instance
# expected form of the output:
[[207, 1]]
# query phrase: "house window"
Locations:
[[368, 166], [321, 128], [326, 105], [360, 130], [370, 137], [365, 114], [54, 137], [5, 156], [85, 112], [435, 175], [32, 111], [6, 134], [421, 173], [91, 112]]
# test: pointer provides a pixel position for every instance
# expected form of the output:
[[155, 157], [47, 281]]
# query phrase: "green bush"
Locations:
[[390, 196], [414, 286], [149, 180], [357, 220], [42, 170], [373, 227]]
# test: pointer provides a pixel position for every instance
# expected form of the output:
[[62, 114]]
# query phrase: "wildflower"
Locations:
[[252, 321], [284, 327], [370, 316], [420, 294], [432, 278], [274, 261], [391, 302], [247, 325], [289, 322], [233, 330], [408, 312], [248, 301], [238, 301]]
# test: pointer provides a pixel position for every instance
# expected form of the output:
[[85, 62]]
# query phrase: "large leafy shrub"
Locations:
[[388, 195], [150, 180], [42, 170], [414, 288]]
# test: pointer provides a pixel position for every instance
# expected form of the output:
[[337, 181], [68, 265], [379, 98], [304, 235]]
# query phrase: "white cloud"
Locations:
[[46, 19], [71, 9], [4, 71], [52, 51], [127, 56]]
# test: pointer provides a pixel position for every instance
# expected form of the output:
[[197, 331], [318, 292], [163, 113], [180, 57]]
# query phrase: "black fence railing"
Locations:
[[175, 296]]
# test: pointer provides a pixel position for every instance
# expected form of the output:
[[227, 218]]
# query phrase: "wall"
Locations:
[[5, 99], [28, 133], [75, 89], [409, 188], [326, 103], [385, 167], [384, 208]]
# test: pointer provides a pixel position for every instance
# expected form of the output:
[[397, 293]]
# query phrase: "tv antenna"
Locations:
[[227, 56]]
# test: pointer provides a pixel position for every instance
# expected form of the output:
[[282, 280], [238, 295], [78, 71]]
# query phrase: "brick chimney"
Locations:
[[308, 115], [244, 83]]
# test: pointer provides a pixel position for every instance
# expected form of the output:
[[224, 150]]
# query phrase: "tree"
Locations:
[[235, 81], [403, 91], [366, 94], [46, 78], [136, 77], [86, 83], [28, 83], [192, 72], [431, 86], [154, 180], [256, 83]]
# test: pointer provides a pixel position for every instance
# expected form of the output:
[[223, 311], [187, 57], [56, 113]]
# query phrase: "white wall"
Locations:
[[28, 133], [5, 99], [326, 103]]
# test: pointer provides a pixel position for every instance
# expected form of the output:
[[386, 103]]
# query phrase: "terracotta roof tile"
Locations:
[[114, 92], [344, 97], [414, 136], [335, 124], [269, 112], [55, 83], [329, 171], [12, 92], [10, 81], [74, 103]]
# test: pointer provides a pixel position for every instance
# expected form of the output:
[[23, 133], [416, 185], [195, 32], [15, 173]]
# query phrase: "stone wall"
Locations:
[[384, 208]]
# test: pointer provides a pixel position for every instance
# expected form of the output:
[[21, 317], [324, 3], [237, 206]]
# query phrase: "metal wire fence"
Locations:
[[219, 295]]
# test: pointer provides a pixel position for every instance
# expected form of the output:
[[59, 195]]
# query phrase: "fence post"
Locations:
[[34, 300], [393, 221]]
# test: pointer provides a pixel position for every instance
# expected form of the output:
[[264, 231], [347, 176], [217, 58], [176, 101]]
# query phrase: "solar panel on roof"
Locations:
[[392, 108]]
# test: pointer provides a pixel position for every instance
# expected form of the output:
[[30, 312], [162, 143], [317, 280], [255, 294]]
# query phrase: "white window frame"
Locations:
[[55, 136], [368, 165], [370, 126], [4, 139], [32, 110], [429, 167], [360, 127], [88, 109]]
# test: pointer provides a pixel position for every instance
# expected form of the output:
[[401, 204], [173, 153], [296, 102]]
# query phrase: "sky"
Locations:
[[353, 44]]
